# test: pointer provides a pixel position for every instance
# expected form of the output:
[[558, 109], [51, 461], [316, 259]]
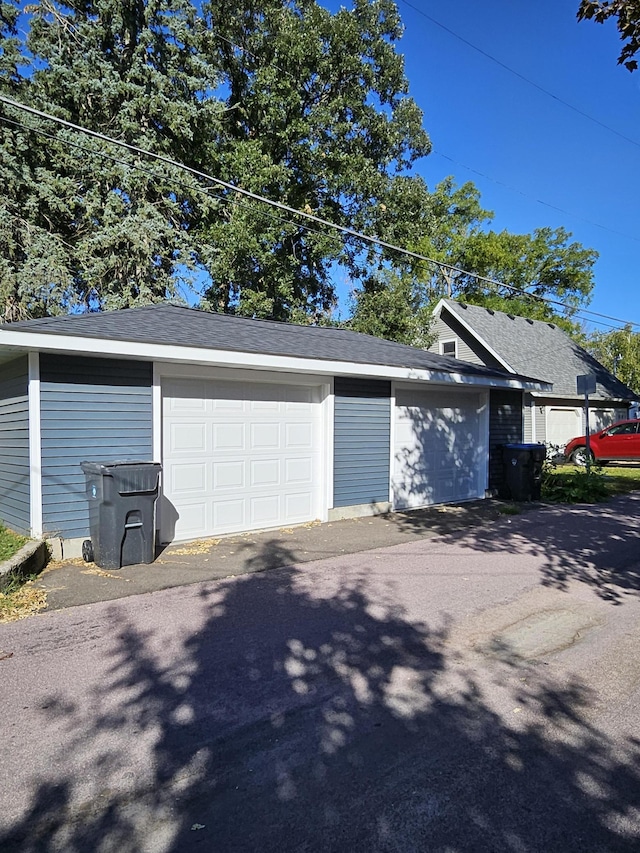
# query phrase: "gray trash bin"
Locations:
[[122, 497], [523, 471]]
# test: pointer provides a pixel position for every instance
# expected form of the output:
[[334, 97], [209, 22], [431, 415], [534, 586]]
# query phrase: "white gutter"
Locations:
[[70, 345]]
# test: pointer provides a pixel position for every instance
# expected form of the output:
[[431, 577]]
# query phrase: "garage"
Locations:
[[439, 447], [239, 456], [562, 425]]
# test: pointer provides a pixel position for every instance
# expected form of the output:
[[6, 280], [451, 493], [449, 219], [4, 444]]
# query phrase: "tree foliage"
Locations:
[[545, 264], [83, 222], [392, 307], [544, 275], [619, 352], [627, 15], [317, 116], [280, 97]]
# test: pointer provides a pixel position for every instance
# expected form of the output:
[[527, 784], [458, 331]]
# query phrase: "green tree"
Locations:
[[545, 264], [92, 225], [318, 117], [543, 275], [627, 13], [392, 307], [619, 352], [282, 98]]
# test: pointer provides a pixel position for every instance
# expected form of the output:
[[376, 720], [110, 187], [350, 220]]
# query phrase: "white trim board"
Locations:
[[35, 448], [92, 347]]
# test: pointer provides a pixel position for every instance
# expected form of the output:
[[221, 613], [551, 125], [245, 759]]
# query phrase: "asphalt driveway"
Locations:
[[473, 691]]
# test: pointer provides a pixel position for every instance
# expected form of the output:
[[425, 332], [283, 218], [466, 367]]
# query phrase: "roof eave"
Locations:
[[22, 342]]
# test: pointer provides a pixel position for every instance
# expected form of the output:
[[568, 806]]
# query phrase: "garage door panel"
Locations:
[[437, 448], [193, 517], [265, 511], [228, 516], [298, 470], [228, 475], [265, 472], [230, 436], [299, 435], [563, 424], [264, 405], [258, 452], [227, 405], [299, 506], [188, 437], [265, 436], [187, 478]]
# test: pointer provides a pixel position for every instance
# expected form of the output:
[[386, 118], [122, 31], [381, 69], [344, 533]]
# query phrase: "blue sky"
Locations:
[[536, 161]]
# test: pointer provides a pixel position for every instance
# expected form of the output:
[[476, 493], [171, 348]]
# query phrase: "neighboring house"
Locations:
[[534, 348], [257, 424]]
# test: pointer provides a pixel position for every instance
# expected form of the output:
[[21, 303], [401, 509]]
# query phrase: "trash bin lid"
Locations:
[[130, 476]]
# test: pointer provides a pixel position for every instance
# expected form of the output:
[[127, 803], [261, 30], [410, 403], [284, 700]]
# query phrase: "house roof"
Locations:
[[537, 348], [164, 326]]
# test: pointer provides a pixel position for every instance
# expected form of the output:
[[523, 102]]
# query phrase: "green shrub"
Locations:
[[573, 486]]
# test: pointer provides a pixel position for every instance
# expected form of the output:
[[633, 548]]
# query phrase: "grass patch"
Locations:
[[20, 599], [569, 484], [10, 543], [621, 481], [509, 509]]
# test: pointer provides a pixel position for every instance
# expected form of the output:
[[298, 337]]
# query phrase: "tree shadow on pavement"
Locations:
[[597, 545], [295, 711]]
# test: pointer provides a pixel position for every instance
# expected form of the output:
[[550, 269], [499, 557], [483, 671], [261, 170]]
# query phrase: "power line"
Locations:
[[521, 76], [177, 182], [246, 50], [350, 232]]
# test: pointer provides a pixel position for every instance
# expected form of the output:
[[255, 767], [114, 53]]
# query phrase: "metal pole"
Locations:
[[587, 433]]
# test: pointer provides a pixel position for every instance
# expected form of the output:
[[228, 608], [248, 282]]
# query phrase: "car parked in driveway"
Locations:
[[618, 442]]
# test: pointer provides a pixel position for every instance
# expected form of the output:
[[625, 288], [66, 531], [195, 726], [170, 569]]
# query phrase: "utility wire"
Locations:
[[176, 181], [246, 50], [439, 153], [350, 232], [521, 76]]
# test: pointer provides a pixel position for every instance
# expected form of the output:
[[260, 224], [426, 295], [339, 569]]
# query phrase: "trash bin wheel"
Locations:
[[87, 551]]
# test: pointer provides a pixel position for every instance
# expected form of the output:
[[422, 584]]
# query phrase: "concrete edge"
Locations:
[[29, 560]]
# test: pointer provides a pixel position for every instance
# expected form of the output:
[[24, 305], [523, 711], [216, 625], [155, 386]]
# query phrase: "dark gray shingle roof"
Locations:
[[174, 325], [535, 348]]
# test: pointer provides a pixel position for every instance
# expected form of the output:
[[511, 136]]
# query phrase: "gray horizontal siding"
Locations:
[[468, 347], [15, 504], [91, 409], [505, 427], [361, 442]]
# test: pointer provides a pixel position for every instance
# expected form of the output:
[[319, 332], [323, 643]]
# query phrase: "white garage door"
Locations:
[[440, 448], [239, 456], [563, 424]]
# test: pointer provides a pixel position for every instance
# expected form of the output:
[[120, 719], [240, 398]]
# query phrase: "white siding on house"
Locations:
[[599, 417]]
